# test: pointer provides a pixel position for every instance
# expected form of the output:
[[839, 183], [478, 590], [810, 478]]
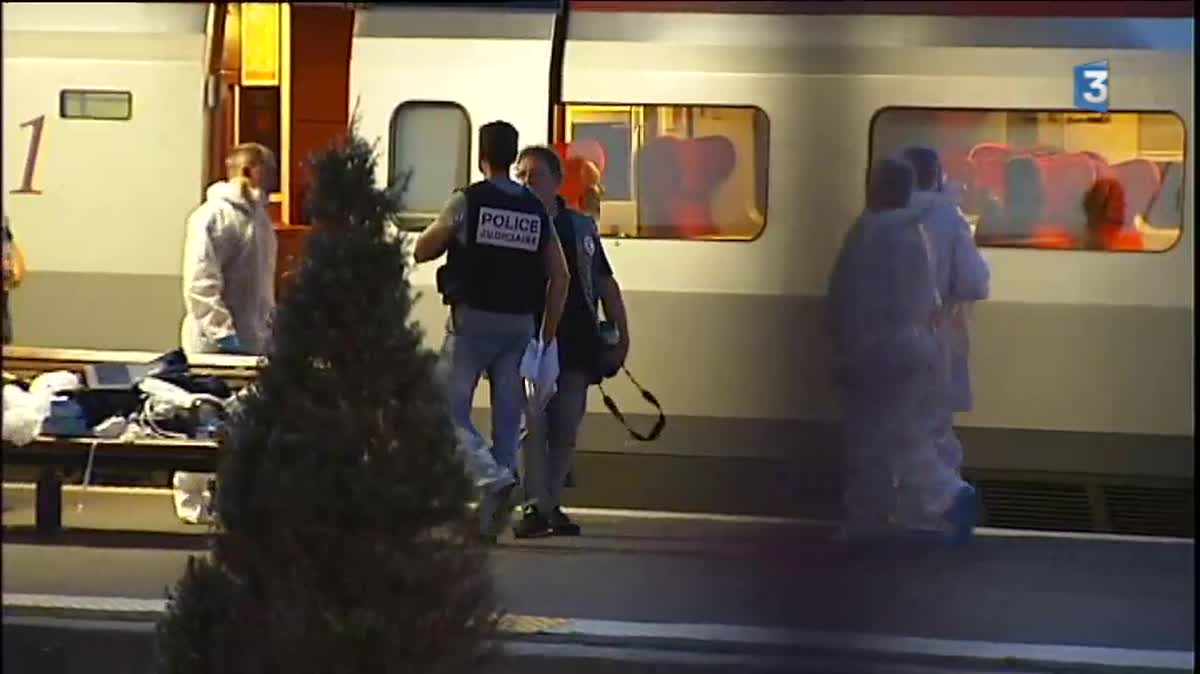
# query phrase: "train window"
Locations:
[[668, 171], [105, 105], [429, 156], [1054, 179]]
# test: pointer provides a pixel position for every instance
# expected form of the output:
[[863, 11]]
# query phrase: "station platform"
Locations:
[[643, 588]]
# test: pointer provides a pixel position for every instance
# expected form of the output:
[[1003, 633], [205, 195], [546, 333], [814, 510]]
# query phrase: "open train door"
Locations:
[[278, 75], [424, 80]]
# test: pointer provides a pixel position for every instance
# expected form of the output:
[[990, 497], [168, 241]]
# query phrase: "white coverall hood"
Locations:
[[228, 271]]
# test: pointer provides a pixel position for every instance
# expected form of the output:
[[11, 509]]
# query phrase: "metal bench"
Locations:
[[30, 361], [54, 456]]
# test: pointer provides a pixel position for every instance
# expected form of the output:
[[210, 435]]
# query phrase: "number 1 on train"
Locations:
[[35, 143]]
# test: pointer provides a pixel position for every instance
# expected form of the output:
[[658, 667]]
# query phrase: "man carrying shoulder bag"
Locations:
[[588, 350]]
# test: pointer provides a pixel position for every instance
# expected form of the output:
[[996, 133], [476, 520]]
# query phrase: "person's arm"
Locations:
[[612, 300], [202, 279], [435, 240], [16, 274], [14, 260], [559, 279], [970, 276], [18, 264]]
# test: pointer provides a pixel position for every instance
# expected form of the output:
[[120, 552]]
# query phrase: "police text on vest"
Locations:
[[509, 229]]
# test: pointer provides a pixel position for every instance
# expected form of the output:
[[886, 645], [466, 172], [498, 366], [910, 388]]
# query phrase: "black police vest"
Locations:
[[499, 267]]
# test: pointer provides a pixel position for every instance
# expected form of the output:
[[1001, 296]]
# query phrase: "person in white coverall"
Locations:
[[962, 278], [883, 304], [228, 281]]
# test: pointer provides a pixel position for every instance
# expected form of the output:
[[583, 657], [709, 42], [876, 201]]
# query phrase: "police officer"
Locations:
[[584, 357], [504, 268]]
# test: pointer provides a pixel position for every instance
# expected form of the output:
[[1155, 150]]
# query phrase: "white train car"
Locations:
[[104, 136], [737, 141], [1084, 394]]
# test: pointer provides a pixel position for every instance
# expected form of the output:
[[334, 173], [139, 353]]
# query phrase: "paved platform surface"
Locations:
[[745, 587]]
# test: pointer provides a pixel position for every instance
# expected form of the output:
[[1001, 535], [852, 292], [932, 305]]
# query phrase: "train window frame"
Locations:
[[65, 94], [415, 220], [563, 133], [871, 138]]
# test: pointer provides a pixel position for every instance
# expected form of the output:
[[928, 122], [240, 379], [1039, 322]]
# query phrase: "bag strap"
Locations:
[[648, 397]]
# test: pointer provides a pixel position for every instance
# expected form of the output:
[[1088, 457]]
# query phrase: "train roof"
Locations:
[[1067, 8], [1063, 8], [766, 31]]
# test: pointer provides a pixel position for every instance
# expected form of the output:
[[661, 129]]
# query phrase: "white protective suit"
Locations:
[[962, 278], [228, 289], [881, 306], [228, 272]]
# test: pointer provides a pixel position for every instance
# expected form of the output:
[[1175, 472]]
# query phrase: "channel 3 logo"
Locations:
[[1091, 86]]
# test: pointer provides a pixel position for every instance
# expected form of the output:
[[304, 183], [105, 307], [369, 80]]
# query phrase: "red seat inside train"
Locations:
[[986, 163], [677, 180], [1065, 179], [583, 170], [1141, 179]]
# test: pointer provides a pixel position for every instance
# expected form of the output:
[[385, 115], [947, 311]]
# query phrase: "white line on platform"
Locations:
[[808, 664], [84, 603], [625, 654], [620, 513], [665, 515], [1082, 536], [743, 635], [82, 624], [895, 645]]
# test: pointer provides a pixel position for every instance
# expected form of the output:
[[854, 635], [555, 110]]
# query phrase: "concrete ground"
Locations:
[[644, 588]]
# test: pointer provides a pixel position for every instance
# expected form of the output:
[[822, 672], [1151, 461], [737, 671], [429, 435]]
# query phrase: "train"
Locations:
[[735, 141]]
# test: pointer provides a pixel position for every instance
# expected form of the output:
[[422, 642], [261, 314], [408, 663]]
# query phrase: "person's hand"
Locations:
[[229, 345], [621, 350]]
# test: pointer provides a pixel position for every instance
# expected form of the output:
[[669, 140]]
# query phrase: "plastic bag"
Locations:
[[47, 384], [22, 416]]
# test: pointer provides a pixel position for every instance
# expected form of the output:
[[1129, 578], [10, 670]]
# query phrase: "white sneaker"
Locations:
[[496, 506]]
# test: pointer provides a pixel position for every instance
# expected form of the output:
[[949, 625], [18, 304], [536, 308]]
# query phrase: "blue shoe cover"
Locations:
[[962, 516]]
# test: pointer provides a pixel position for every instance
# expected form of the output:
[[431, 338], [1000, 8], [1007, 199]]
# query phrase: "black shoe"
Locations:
[[562, 525], [533, 524]]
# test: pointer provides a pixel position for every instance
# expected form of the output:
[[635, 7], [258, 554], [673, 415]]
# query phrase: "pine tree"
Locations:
[[344, 542]]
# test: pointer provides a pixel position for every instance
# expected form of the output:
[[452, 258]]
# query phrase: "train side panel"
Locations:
[[1075, 350], [103, 159]]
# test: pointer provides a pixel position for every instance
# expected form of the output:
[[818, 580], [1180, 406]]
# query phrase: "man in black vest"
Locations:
[[501, 250], [584, 357]]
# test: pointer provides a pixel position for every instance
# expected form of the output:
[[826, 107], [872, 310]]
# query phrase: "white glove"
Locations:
[[539, 369], [531, 360]]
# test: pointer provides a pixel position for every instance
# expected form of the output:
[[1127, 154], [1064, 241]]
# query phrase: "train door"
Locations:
[[278, 75], [425, 79]]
